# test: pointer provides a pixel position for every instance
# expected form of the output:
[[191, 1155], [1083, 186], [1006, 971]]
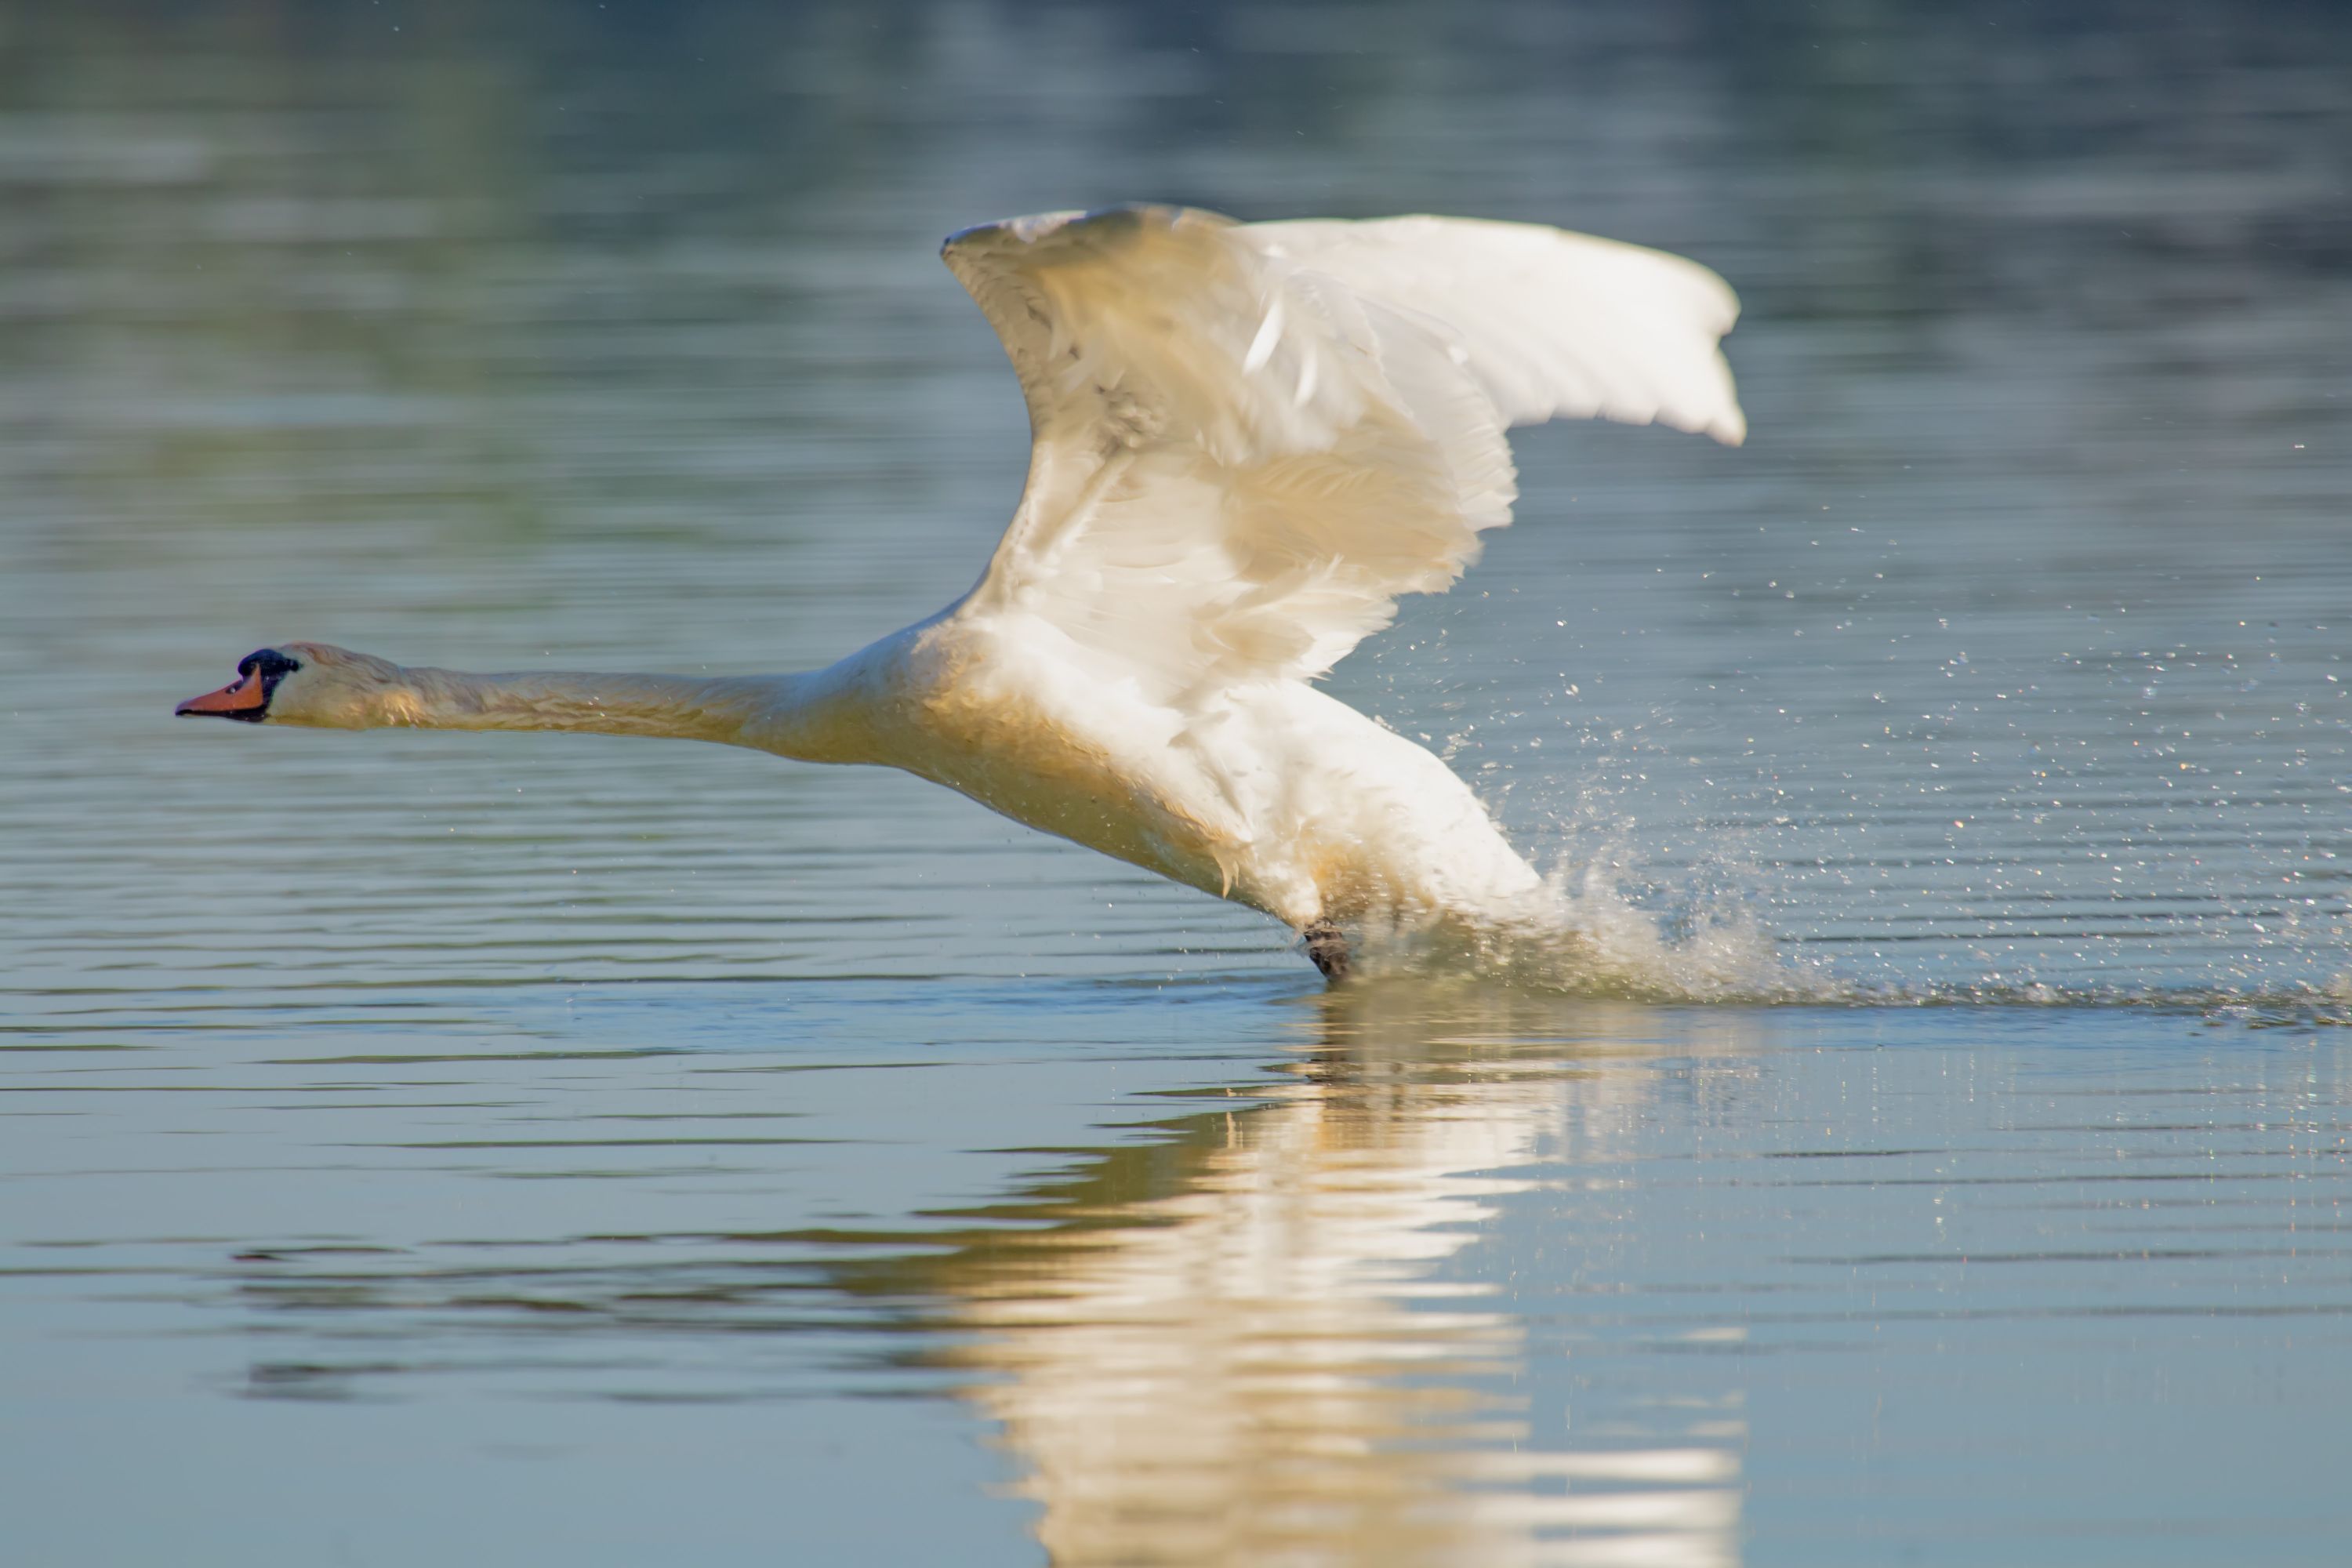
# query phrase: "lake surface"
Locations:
[[548, 1149]]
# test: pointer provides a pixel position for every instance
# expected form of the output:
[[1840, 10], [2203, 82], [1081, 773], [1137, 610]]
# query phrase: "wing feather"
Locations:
[[1554, 325], [1247, 440]]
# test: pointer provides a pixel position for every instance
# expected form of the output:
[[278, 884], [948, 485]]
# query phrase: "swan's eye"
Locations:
[[266, 664]]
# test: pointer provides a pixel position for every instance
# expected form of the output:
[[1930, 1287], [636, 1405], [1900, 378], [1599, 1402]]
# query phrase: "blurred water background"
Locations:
[[565, 1149]]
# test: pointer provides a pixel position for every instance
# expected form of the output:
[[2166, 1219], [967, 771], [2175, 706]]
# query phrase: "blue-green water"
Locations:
[[566, 1148]]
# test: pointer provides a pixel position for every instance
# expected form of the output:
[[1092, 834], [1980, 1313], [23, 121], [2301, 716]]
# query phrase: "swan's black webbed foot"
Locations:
[[1328, 948]]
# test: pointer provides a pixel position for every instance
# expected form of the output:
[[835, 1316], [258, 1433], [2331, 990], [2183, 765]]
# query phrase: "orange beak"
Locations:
[[243, 695]]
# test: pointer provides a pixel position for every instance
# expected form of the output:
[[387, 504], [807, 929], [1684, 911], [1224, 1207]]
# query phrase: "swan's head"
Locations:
[[308, 683]]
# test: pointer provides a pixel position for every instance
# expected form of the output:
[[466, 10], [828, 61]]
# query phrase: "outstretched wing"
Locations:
[[1556, 325], [1247, 440]]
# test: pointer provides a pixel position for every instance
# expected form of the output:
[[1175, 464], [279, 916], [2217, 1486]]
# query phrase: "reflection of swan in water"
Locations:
[[1237, 1348], [1253, 1339], [1248, 441]]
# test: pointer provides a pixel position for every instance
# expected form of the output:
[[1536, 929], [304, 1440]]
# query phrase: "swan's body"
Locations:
[[1247, 440]]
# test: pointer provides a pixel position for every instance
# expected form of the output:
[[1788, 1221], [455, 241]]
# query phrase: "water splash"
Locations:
[[1594, 930], [1585, 931]]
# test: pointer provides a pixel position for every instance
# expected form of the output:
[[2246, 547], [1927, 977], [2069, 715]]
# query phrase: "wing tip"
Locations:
[[1028, 231], [1025, 230], [1726, 422]]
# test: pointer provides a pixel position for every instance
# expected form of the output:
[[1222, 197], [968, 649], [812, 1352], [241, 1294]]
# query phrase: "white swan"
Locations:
[[1248, 439]]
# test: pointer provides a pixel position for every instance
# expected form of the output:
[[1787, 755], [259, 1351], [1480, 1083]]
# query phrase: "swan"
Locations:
[[1247, 440]]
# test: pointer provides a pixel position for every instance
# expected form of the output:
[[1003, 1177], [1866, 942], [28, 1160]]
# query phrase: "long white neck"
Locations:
[[795, 715]]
